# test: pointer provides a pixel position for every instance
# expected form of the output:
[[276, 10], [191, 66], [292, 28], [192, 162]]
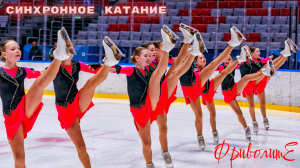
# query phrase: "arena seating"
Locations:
[[204, 16]]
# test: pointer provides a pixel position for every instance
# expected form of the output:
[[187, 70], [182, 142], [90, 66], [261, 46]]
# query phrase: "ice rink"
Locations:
[[113, 142]]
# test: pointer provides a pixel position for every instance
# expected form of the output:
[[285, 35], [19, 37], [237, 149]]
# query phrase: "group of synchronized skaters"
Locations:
[[151, 87]]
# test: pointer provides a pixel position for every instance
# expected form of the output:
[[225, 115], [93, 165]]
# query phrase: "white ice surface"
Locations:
[[113, 142]]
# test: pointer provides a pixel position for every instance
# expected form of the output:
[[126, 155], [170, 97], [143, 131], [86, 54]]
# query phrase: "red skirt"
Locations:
[[248, 89], [165, 102], [230, 94], [142, 116], [13, 122], [67, 115], [210, 95], [193, 92], [260, 87]]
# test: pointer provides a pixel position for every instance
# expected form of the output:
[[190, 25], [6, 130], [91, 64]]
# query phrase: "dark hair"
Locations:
[[231, 55], [179, 48], [252, 49], [157, 43], [196, 59], [146, 45], [136, 52]]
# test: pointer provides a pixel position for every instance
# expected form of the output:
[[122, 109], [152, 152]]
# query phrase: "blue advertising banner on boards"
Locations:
[[91, 54]]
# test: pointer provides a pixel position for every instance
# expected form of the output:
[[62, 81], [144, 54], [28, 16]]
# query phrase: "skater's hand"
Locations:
[[94, 66], [91, 69], [271, 57]]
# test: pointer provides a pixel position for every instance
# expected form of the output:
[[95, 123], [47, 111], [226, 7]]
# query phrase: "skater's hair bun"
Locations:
[[2, 49], [157, 43], [252, 49], [146, 45], [132, 59], [136, 52]]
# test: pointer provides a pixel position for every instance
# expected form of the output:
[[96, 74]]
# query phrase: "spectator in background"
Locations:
[[50, 55], [35, 51]]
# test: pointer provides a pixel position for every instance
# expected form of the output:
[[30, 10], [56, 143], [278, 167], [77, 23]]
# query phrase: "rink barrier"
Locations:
[[283, 89], [182, 100]]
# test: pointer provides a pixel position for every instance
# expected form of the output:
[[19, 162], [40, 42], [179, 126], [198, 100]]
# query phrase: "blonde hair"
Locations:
[[136, 52], [2, 49]]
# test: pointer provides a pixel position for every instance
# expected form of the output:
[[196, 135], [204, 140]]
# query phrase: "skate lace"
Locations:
[[266, 122], [216, 136], [201, 141], [255, 125], [248, 132], [168, 159]]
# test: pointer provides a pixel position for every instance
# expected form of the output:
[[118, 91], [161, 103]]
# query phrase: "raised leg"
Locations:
[[174, 77], [146, 141], [222, 75], [196, 106], [35, 93], [236, 108], [206, 73], [74, 133], [177, 62], [163, 131], [87, 92], [187, 39], [259, 79], [154, 84], [247, 78], [278, 62], [17, 147]]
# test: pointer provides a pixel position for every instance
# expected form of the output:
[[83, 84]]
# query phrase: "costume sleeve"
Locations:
[[31, 73], [265, 60], [86, 68], [124, 70], [220, 68], [171, 60]]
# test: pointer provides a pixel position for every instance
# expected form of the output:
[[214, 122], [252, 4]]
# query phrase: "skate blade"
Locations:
[[202, 148], [272, 67], [240, 35], [173, 36], [292, 45], [69, 43], [117, 52], [190, 29], [247, 51], [202, 44]]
